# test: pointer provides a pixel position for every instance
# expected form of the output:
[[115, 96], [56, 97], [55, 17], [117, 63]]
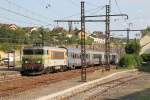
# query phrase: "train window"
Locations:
[[105, 56], [113, 56], [28, 51], [100, 56], [57, 55], [72, 55], [38, 51], [75, 56], [86, 55], [97, 56]]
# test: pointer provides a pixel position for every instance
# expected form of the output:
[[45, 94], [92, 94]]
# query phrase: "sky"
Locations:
[[43, 12]]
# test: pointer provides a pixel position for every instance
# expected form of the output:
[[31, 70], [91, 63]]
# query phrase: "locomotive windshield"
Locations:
[[33, 52]]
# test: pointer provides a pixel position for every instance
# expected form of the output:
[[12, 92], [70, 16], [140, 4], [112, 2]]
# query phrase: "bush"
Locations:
[[145, 57], [130, 60], [133, 47], [138, 59]]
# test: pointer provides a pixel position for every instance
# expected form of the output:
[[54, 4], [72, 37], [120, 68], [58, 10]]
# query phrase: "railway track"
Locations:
[[8, 84], [8, 78], [94, 92]]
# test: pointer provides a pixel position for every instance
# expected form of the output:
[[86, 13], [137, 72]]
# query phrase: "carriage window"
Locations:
[[27, 52], [38, 51], [57, 55], [72, 55], [97, 56], [113, 56]]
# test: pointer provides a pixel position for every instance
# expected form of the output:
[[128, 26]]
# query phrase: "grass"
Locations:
[[145, 67], [125, 68], [143, 98]]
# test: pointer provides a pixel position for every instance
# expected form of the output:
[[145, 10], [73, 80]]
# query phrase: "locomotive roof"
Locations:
[[78, 50], [45, 47]]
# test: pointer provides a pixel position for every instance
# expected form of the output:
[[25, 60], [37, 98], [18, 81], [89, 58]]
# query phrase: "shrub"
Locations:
[[145, 57], [130, 60], [138, 59], [133, 47]]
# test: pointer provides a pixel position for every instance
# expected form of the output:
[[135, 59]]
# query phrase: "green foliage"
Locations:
[[138, 59], [131, 58], [133, 47], [145, 67], [6, 47], [128, 61], [12, 39], [146, 57], [88, 41]]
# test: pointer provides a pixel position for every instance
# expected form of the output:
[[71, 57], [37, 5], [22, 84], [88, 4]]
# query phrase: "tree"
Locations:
[[133, 47], [131, 58]]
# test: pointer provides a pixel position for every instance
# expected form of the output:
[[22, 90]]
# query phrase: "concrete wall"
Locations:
[[145, 43]]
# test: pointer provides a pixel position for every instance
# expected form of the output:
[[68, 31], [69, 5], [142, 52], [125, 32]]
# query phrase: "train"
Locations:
[[40, 60]]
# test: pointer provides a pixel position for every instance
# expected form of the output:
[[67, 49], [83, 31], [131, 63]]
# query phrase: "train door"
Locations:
[[100, 59]]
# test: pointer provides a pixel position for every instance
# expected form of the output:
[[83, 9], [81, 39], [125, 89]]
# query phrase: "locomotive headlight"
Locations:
[[26, 62], [39, 62]]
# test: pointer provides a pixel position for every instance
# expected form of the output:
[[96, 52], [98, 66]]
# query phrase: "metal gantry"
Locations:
[[127, 30], [107, 39], [83, 47], [107, 34]]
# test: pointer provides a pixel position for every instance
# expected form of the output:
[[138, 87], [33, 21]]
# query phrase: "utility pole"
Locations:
[[70, 26], [128, 31], [107, 38], [107, 34], [83, 48]]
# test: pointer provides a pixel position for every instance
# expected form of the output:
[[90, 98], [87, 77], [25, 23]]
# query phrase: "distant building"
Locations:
[[98, 40], [34, 29], [98, 37], [13, 26], [10, 26]]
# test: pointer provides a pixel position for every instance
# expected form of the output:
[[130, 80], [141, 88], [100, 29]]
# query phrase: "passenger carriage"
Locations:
[[38, 60]]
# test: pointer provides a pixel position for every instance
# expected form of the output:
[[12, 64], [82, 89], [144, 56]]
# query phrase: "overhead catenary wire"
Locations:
[[27, 10], [88, 11], [73, 3], [118, 6], [91, 4], [20, 14], [13, 20], [97, 10]]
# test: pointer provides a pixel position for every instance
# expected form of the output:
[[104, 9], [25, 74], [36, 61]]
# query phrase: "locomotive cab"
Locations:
[[32, 61]]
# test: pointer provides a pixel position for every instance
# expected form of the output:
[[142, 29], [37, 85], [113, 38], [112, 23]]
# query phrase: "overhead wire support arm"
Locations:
[[83, 20], [125, 30], [79, 21], [110, 15]]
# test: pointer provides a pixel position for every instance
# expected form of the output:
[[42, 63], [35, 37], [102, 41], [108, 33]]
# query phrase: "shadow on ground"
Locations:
[[145, 67], [10, 69], [142, 95]]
